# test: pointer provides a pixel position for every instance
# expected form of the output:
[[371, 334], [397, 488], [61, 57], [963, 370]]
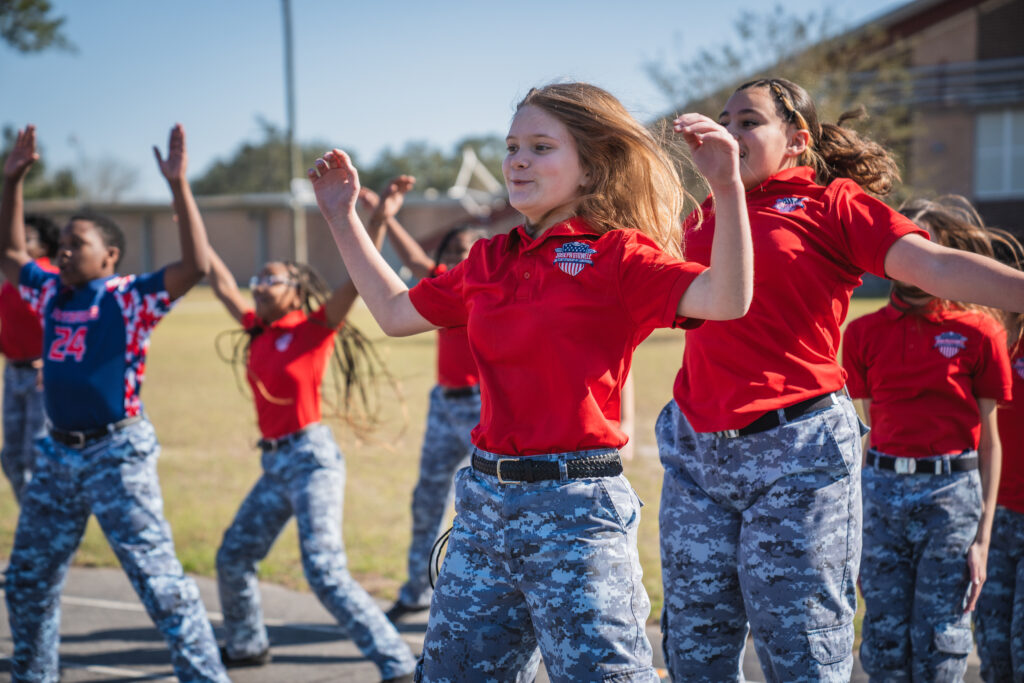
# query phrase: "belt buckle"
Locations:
[[728, 434], [905, 465], [77, 438], [497, 469]]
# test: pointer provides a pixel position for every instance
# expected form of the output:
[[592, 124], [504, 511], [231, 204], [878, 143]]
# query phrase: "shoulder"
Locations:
[[982, 321], [843, 188]]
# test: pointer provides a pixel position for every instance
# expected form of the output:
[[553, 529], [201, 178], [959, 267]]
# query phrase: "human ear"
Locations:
[[113, 256], [798, 143]]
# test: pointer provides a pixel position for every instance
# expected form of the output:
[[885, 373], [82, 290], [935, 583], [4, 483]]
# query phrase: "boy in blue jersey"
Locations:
[[100, 454]]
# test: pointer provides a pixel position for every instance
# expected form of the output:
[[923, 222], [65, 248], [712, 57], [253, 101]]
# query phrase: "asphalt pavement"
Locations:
[[107, 636]]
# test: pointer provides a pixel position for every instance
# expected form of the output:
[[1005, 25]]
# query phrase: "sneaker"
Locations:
[[258, 659], [398, 611]]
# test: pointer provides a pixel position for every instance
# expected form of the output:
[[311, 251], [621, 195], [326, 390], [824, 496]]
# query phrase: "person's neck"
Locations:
[[557, 215]]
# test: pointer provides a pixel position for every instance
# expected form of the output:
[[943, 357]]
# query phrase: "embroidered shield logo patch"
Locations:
[[789, 204], [572, 256], [282, 342], [1018, 367], [950, 343]]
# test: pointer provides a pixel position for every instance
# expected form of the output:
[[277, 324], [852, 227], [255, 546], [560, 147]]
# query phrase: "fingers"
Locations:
[[334, 159], [177, 139], [159, 158], [27, 138], [399, 185], [697, 129], [25, 142], [973, 595]]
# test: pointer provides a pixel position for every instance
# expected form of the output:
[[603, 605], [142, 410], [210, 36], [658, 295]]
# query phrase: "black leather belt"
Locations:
[[22, 364], [525, 469], [460, 392], [274, 444], [78, 439], [771, 420], [944, 465]]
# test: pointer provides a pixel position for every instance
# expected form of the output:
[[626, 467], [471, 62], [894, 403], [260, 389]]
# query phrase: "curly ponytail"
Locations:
[[834, 151]]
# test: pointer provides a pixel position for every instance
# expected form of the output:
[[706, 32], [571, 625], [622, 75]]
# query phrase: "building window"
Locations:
[[999, 155]]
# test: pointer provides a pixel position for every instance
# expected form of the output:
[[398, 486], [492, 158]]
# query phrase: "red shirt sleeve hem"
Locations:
[[683, 283]]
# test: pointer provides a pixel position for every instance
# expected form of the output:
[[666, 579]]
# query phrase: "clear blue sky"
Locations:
[[369, 75]]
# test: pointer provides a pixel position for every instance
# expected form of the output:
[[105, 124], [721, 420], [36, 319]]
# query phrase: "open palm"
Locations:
[[22, 155], [173, 167]]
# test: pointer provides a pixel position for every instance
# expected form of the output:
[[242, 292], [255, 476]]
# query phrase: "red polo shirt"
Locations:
[[552, 325], [21, 335], [924, 373], [455, 365], [1011, 434], [811, 246], [287, 359]]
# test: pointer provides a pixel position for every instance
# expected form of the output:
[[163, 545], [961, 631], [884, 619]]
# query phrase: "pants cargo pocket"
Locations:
[[953, 639], [831, 645]]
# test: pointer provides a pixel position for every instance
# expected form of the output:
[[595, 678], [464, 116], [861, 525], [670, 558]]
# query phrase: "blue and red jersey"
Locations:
[[95, 339]]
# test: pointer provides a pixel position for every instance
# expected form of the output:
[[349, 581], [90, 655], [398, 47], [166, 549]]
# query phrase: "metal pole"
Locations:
[[300, 248]]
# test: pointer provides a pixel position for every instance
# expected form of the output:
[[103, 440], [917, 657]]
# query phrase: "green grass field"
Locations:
[[209, 460]]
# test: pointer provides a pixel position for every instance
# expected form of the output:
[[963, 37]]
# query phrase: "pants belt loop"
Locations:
[[563, 470], [782, 416]]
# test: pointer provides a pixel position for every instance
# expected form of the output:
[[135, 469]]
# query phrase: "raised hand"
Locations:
[[715, 152], [22, 155], [336, 185], [369, 199], [394, 195], [173, 167]]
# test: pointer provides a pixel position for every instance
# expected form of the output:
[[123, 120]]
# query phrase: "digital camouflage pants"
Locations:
[[761, 533], [445, 449], [550, 563], [115, 479], [999, 616], [24, 423], [304, 478], [913, 575]]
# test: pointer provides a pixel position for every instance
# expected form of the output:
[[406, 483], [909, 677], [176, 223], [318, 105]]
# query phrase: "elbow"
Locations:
[[735, 310], [394, 329], [735, 305], [203, 269]]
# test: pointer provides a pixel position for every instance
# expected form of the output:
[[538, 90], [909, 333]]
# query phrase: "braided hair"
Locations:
[[356, 367], [834, 150]]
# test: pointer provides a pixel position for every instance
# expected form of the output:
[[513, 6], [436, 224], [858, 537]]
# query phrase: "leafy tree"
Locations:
[[39, 184], [28, 26], [256, 166], [263, 166], [862, 67], [432, 166]]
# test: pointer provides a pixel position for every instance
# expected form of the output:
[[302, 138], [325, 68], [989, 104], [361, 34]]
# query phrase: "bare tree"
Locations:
[[840, 70]]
